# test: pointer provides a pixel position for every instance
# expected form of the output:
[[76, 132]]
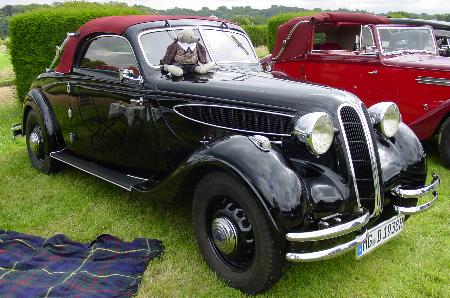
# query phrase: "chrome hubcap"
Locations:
[[224, 235], [36, 143]]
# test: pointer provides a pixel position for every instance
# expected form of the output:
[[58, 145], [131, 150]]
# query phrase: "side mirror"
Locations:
[[128, 75]]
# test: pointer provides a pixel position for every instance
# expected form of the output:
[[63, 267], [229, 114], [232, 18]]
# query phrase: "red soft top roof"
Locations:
[[112, 25], [297, 48]]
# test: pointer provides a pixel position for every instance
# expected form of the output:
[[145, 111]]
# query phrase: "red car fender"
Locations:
[[428, 125]]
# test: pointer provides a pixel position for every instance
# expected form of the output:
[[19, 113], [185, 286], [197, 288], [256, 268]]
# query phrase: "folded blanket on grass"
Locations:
[[32, 266]]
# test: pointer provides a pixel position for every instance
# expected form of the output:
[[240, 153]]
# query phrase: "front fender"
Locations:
[[267, 174], [276, 186], [402, 159], [429, 124]]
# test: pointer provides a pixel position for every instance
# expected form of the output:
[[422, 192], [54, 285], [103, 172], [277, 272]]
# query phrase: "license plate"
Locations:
[[381, 234]]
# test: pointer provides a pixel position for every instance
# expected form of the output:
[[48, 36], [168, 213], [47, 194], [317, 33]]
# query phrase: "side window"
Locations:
[[367, 44], [109, 53]]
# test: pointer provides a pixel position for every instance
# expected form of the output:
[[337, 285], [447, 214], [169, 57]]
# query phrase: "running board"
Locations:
[[112, 176]]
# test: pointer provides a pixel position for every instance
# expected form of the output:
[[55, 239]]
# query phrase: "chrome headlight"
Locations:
[[386, 116], [316, 130]]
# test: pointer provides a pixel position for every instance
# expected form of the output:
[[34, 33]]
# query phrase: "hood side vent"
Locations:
[[238, 119]]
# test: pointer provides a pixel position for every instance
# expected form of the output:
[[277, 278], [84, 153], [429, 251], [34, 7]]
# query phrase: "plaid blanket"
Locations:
[[32, 266]]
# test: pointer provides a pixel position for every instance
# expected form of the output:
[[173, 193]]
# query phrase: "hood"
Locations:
[[421, 61], [256, 90]]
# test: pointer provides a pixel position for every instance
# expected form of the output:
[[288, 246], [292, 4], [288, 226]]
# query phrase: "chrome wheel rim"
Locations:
[[224, 234], [230, 233], [36, 142]]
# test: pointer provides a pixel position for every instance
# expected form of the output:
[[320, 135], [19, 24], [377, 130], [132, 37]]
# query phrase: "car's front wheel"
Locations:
[[444, 142], [234, 235], [37, 144]]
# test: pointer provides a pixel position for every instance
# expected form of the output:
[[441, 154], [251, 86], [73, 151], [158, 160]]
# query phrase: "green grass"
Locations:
[[417, 263]]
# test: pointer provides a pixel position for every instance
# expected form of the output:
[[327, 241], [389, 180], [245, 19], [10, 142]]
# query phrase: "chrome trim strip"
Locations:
[[416, 193], [135, 177], [347, 150], [433, 81], [362, 118], [373, 160], [332, 232], [70, 164], [327, 253], [417, 209], [236, 108]]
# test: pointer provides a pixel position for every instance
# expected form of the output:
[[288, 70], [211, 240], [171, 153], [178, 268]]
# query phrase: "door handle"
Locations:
[[373, 72]]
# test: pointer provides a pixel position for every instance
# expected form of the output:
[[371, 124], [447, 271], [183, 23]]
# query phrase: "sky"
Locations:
[[376, 6]]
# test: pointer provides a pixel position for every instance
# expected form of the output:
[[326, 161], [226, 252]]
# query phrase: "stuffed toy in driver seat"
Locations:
[[186, 55]]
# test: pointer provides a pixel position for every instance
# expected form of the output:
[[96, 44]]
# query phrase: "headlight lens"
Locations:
[[316, 130], [386, 116]]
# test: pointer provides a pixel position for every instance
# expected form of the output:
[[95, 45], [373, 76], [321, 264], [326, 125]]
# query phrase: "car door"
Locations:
[[374, 81], [110, 113], [359, 72]]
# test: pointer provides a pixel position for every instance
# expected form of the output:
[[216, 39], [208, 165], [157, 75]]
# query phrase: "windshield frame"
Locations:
[[384, 53], [205, 42]]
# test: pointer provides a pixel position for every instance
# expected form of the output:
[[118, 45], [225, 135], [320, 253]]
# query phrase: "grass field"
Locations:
[[417, 263], [6, 70]]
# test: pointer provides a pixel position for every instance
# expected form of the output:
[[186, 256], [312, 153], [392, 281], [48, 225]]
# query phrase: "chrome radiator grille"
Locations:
[[361, 156], [241, 119]]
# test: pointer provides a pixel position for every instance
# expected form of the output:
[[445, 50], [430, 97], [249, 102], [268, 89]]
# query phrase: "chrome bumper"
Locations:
[[417, 193], [357, 224]]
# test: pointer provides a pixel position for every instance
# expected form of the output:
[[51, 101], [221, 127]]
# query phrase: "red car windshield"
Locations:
[[406, 39]]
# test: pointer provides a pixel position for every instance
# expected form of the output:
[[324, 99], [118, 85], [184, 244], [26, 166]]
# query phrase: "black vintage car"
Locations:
[[277, 170]]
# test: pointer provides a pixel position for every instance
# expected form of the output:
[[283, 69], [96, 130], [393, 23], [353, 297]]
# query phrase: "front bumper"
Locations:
[[357, 224]]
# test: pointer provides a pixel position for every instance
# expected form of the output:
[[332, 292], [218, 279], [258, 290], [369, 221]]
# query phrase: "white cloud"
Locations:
[[377, 6]]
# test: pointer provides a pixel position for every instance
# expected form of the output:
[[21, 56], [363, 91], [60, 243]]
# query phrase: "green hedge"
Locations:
[[275, 21], [35, 34], [257, 34]]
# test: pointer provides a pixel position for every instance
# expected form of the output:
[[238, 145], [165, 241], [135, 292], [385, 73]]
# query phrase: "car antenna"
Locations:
[[167, 24], [225, 25]]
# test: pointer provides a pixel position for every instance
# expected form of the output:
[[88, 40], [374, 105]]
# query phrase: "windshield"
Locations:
[[406, 39], [221, 46], [229, 47]]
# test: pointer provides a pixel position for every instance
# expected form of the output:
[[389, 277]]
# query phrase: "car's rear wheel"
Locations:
[[234, 235], [37, 144], [444, 142]]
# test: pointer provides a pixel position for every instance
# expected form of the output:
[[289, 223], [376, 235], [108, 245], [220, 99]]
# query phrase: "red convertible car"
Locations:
[[374, 59]]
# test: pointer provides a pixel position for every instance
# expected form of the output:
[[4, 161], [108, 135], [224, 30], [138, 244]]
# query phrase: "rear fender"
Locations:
[[38, 102]]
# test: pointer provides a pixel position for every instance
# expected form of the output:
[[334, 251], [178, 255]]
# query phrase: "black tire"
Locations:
[[39, 154], [262, 260], [444, 143]]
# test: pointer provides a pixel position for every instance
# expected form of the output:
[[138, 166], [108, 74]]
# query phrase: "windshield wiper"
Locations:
[[239, 44]]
